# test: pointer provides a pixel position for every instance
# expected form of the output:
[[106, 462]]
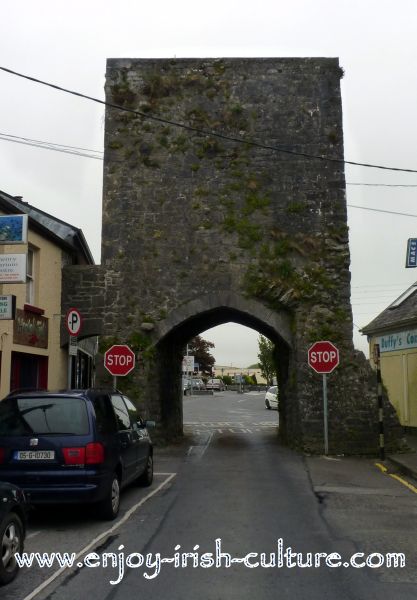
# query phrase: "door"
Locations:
[[28, 371], [139, 433], [128, 443]]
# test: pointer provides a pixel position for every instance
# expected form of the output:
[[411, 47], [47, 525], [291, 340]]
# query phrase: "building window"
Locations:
[[30, 277]]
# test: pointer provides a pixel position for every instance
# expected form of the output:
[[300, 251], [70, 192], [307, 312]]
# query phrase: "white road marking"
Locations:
[[97, 539], [32, 535], [199, 451]]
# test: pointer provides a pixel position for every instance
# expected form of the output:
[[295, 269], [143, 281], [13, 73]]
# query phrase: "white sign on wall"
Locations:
[[12, 268]]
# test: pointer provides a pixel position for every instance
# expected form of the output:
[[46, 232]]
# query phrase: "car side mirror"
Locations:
[[148, 424]]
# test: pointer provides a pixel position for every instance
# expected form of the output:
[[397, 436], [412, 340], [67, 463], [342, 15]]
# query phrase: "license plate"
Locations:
[[34, 455]]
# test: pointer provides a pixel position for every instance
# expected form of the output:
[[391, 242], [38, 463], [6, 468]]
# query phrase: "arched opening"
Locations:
[[170, 348]]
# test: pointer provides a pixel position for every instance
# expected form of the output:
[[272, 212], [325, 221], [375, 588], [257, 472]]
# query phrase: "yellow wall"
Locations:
[[399, 376], [225, 370], [47, 271]]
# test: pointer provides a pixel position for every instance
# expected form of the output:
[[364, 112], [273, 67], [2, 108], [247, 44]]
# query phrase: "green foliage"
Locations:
[[295, 207], [114, 145], [200, 349], [266, 358]]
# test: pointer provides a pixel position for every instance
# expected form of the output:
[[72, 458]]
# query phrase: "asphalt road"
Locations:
[[232, 481]]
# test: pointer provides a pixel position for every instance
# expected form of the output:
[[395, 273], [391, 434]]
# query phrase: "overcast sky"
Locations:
[[68, 42]]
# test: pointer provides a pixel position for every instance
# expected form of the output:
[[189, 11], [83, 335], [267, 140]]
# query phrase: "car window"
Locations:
[[105, 419], [122, 416], [40, 416], [132, 410]]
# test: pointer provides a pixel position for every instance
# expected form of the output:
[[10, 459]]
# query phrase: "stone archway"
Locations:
[[198, 315]]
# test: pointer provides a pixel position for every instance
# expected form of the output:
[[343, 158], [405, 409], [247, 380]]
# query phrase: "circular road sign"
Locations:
[[119, 360], [73, 321], [323, 357]]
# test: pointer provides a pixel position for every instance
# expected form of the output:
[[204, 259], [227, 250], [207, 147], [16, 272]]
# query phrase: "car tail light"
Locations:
[[94, 453], [2, 453], [74, 456]]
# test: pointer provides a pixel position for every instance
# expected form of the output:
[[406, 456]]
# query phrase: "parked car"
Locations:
[[271, 397], [186, 386], [13, 515], [198, 384], [77, 446], [215, 384]]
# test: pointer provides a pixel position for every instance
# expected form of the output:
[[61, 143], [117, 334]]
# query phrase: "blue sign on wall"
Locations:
[[411, 260], [13, 229]]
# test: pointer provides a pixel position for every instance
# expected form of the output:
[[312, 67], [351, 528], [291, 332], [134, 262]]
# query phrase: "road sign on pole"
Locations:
[[73, 321], [323, 357], [119, 360]]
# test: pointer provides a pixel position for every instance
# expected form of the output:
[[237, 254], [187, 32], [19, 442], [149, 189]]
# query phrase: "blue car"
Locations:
[[13, 517], [72, 446]]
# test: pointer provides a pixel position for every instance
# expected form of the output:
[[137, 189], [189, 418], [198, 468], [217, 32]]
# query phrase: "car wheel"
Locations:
[[11, 537], [109, 506], [147, 476], [267, 405]]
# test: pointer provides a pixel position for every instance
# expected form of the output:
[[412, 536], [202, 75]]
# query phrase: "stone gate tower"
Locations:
[[199, 230]]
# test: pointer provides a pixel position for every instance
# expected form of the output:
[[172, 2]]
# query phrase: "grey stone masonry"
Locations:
[[199, 230]]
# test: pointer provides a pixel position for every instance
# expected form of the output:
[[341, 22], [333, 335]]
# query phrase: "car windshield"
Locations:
[[42, 416]]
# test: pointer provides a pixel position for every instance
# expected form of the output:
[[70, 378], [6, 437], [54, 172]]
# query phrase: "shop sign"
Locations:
[[7, 307], [13, 229], [411, 258], [30, 329], [393, 342], [12, 268]]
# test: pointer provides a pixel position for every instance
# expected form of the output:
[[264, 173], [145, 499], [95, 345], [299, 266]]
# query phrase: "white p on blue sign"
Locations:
[[411, 260]]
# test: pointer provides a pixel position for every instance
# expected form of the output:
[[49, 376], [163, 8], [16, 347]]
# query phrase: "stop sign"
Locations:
[[323, 357], [119, 360]]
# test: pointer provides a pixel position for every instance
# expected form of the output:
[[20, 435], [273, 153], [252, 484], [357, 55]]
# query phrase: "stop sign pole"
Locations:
[[323, 357]]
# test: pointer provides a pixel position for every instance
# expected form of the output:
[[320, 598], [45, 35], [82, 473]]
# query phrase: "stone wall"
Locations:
[[199, 230]]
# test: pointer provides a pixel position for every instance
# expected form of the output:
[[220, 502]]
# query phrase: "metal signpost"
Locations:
[[73, 323], [323, 357], [377, 361]]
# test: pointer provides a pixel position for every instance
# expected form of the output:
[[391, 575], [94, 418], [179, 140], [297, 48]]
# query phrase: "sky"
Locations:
[[67, 43]]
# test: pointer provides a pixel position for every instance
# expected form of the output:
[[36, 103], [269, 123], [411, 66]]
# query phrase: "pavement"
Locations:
[[406, 462]]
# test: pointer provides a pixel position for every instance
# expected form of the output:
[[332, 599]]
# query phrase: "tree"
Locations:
[[199, 348], [266, 358]]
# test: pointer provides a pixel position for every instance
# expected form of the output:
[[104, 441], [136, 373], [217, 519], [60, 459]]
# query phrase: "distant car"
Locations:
[[271, 397], [186, 386], [75, 446], [13, 511], [198, 384], [215, 384]]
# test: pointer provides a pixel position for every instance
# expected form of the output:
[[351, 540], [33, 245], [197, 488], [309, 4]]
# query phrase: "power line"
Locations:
[[63, 147], [390, 212], [45, 146], [43, 142], [205, 132], [404, 185], [72, 150]]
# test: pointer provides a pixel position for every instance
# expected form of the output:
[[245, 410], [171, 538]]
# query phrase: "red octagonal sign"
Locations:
[[119, 360], [323, 357]]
